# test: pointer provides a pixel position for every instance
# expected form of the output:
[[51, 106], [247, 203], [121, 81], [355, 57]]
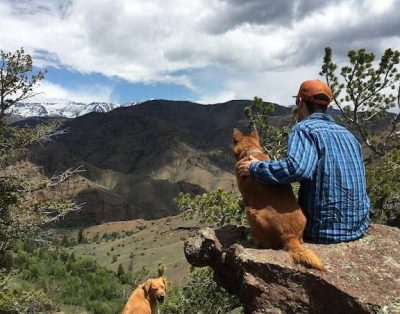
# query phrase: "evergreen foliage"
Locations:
[[17, 80], [383, 187], [364, 92], [81, 237], [120, 271], [21, 212], [201, 295], [273, 139], [67, 280], [217, 207]]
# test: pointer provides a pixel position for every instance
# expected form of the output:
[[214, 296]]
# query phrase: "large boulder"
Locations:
[[363, 276]]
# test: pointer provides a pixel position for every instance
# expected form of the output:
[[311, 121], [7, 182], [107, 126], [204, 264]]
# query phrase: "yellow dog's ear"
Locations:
[[237, 135], [165, 282], [146, 287], [254, 133]]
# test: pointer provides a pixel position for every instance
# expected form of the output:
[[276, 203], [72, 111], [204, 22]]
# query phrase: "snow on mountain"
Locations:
[[65, 109]]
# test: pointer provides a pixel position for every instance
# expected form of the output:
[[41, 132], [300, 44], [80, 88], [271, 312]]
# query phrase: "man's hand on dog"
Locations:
[[243, 165]]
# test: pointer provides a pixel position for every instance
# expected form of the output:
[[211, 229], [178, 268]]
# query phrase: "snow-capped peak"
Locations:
[[61, 109]]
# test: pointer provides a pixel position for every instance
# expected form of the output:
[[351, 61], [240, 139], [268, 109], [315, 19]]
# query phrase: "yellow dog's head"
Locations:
[[156, 289], [244, 145]]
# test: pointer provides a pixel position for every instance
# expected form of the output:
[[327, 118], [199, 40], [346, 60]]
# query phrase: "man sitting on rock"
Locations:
[[327, 161]]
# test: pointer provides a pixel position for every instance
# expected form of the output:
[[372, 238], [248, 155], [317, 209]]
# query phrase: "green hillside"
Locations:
[[136, 244]]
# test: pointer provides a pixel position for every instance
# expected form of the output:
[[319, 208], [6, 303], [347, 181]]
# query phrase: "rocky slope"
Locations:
[[138, 158]]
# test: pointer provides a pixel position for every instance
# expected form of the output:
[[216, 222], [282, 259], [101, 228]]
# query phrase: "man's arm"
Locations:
[[299, 164]]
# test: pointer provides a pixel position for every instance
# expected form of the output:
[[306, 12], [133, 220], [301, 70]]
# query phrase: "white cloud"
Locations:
[[220, 97], [50, 92], [277, 87], [160, 40]]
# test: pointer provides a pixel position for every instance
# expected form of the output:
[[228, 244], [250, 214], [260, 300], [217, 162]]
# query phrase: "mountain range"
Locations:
[[62, 109], [138, 158]]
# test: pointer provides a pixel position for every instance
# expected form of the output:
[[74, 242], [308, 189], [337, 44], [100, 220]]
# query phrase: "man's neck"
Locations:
[[317, 115]]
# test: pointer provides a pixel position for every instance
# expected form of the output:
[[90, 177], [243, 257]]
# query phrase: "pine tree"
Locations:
[[120, 271], [21, 213], [81, 237], [16, 79], [65, 241], [364, 92]]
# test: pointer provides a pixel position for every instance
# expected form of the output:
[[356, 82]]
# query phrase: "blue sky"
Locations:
[[123, 91], [207, 51]]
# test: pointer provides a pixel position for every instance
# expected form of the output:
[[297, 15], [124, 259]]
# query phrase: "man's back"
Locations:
[[327, 161], [334, 198]]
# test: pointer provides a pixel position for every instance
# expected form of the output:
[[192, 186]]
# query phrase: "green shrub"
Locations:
[[273, 139], [66, 280], [13, 301], [22, 298], [217, 207], [383, 186], [200, 295]]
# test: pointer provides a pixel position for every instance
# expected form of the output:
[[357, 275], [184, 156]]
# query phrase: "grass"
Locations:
[[140, 242]]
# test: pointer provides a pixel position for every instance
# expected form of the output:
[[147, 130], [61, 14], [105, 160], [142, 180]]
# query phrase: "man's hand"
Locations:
[[243, 165]]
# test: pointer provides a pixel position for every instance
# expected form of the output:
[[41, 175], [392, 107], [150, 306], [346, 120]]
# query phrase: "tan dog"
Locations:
[[275, 218], [145, 298]]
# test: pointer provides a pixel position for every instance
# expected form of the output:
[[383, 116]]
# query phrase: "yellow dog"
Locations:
[[145, 298], [275, 218]]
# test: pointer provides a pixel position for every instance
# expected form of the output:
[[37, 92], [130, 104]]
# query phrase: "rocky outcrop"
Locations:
[[363, 276]]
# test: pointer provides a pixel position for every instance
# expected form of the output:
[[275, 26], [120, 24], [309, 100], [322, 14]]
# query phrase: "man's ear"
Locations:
[[237, 135], [254, 134]]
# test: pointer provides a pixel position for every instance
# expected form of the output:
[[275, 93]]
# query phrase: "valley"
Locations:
[[138, 245], [138, 158]]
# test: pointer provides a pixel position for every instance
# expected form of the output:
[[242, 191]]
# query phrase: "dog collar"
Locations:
[[250, 151]]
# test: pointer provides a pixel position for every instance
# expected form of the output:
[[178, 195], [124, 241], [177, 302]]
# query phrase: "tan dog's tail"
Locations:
[[303, 255]]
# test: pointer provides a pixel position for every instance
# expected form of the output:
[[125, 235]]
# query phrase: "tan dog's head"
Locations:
[[242, 144], [156, 289]]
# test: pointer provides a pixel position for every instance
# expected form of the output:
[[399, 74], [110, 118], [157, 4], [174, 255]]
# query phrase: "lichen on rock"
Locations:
[[363, 276]]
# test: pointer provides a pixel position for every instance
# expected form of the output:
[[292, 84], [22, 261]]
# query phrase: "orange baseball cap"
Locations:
[[310, 90]]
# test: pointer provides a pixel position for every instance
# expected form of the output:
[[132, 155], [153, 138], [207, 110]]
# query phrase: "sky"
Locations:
[[206, 51]]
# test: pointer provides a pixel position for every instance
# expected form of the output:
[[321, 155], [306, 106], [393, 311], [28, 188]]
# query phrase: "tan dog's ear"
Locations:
[[165, 282], [237, 135], [146, 287], [254, 133]]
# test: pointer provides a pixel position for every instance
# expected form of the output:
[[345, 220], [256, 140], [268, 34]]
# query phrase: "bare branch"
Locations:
[[57, 179], [396, 120], [20, 98], [75, 208], [398, 97], [43, 136], [5, 281], [371, 116], [393, 165]]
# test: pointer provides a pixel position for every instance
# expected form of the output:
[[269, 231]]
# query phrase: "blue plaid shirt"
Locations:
[[327, 161]]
